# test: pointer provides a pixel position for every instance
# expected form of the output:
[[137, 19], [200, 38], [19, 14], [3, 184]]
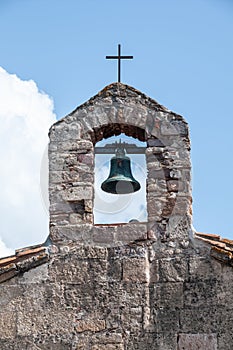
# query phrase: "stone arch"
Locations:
[[118, 210], [115, 129]]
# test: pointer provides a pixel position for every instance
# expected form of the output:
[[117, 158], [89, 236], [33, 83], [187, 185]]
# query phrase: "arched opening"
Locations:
[[120, 208]]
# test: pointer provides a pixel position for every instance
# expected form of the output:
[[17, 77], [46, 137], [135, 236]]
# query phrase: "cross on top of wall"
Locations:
[[119, 58]]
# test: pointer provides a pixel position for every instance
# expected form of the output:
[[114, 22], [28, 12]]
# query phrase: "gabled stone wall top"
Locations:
[[117, 109]]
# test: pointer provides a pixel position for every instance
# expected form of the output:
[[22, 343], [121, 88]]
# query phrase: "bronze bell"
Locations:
[[120, 179]]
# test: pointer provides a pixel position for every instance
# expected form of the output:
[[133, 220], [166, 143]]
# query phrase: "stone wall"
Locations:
[[142, 286], [128, 297]]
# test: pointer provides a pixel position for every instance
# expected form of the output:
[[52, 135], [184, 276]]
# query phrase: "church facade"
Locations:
[[138, 285]]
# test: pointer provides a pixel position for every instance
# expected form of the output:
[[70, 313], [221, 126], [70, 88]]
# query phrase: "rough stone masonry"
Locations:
[[153, 285]]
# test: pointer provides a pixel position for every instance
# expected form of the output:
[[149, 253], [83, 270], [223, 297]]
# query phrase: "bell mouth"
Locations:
[[120, 186]]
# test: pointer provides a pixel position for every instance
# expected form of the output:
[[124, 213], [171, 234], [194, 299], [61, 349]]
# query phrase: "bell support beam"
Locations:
[[111, 148]]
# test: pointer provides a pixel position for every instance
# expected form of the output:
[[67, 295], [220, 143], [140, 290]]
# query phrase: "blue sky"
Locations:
[[182, 58]]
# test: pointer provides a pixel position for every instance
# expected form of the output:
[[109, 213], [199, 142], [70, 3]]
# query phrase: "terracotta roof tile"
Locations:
[[221, 248], [30, 251], [7, 260], [208, 235], [23, 260]]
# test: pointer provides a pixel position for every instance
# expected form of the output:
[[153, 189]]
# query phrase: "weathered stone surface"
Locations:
[[77, 193], [8, 324], [168, 295], [90, 325], [108, 347], [131, 232], [65, 132], [197, 342], [134, 286], [119, 108], [173, 269], [136, 270]]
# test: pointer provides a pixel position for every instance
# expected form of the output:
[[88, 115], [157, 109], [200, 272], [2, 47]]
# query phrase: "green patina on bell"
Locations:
[[120, 179]]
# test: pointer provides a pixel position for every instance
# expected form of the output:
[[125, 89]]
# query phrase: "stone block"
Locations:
[[77, 233], [98, 270], [158, 188], [68, 208], [200, 320], [37, 297], [129, 293], [173, 269], [7, 324], [115, 270], [166, 341], [37, 275], [174, 127], [59, 219], [177, 205], [175, 186], [56, 177], [88, 204], [197, 341], [103, 235], [89, 252], [130, 233], [154, 271], [78, 146], [201, 293], [167, 320], [155, 165], [132, 318], [57, 162], [224, 318], [90, 123], [225, 341], [70, 162], [77, 193], [113, 337], [69, 269], [74, 175], [204, 268], [63, 132], [78, 297], [75, 218], [10, 295], [136, 270], [178, 227], [128, 251], [167, 129], [155, 143], [87, 159], [111, 112], [90, 325], [47, 321], [168, 295], [155, 206]]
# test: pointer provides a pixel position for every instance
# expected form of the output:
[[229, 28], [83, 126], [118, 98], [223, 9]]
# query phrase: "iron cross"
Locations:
[[119, 58]]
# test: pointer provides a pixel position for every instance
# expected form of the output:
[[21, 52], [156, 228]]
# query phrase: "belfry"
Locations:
[[152, 284]]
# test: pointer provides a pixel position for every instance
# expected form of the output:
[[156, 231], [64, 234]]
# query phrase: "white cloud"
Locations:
[[4, 250], [25, 116]]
